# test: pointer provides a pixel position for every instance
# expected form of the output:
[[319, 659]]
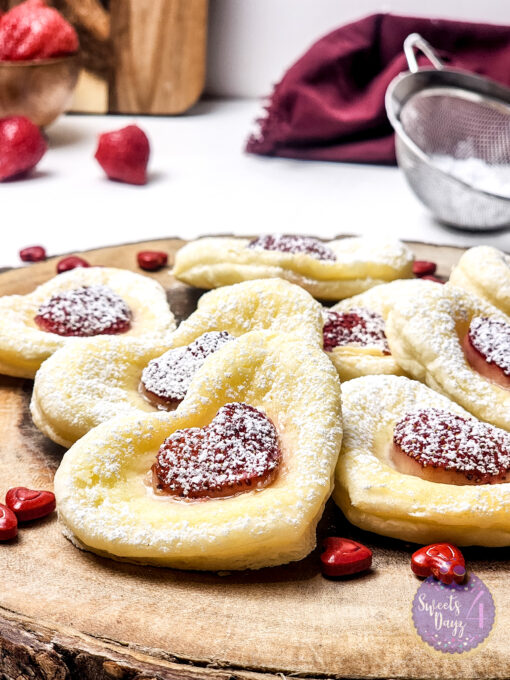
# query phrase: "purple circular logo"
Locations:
[[453, 618]]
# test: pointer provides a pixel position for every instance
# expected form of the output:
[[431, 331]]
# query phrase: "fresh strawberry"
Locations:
[[32, 30], [21, 146], [124, 154]]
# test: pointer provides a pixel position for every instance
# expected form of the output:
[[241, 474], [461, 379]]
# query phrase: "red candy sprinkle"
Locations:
[[238, 451], [71, 262], [165, 380], [358, 326], [124, 154], [85, 311], [22, 146], [294, 244], [151, 260], [478, 452], [8, 523], [424, 268], [28, 504], [342, 557], [32, 254], [443, 561], [431, 278], [32, 30]]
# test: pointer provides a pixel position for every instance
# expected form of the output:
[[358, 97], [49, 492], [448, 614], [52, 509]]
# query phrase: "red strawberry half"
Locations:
[[124, 154], [21, 146]]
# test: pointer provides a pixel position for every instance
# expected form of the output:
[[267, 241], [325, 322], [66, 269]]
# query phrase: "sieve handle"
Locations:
[[416, 42]]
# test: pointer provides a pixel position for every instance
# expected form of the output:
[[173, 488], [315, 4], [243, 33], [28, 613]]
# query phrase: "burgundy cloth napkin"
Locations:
[[330, 103]]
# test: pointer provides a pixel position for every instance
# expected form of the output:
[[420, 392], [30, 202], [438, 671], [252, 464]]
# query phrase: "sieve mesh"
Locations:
[[459, 124], [453, 140]]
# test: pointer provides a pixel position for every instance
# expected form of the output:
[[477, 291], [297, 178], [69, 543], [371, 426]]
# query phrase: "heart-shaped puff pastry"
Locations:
[[24, 345], [107, 506], [376, 496], [369, 352], [426, 331], [81, 387], [353, 265], [485, 271]]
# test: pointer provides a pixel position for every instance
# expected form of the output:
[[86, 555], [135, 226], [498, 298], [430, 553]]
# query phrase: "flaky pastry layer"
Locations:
[[352, 361], [425, 331], [105, 503], [485, 272], [361, 264], [82, 386]]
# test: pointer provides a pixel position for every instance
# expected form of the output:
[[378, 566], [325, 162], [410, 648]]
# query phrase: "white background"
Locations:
[[252, 42]]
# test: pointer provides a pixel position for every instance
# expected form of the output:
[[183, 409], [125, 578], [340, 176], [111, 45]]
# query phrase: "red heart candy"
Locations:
[[32, 254], [444, 561], [28, 504], [431, 278], [71, 262], [151, 260], [342, 557], [8, 523], [424, 268]]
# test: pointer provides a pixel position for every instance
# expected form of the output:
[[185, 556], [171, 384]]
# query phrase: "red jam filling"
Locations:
[[487, 348], [166, 380], [294, 244], [239, 451], [443, 447], [86, 311], [358, 326]]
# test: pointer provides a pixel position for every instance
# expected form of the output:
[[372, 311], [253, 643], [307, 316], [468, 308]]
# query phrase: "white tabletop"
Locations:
[[202, 182]]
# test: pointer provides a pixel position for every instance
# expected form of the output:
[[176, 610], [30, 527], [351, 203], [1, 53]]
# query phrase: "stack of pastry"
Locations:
[[217, 444]]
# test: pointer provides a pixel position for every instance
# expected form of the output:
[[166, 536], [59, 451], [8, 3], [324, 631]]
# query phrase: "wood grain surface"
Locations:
[[65, 613]]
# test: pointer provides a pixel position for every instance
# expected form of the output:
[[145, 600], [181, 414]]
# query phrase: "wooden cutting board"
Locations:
[[70, 614], [138, 56]]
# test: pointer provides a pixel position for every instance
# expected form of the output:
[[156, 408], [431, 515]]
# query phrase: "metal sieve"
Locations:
[[445, 120]]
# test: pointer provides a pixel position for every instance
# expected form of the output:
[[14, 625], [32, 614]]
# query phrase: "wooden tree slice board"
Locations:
[[65, 613]]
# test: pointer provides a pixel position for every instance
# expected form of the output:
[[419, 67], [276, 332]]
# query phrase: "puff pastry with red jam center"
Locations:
[[355, 332], [245, 464], [416, 466], [427, 331], [74, 306]]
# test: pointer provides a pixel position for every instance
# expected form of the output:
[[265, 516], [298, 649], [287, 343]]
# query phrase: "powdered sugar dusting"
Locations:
[[169, 376], [236, 452], [491, 337], [85, 311], [442, 439], [358, 326], [294, 244]]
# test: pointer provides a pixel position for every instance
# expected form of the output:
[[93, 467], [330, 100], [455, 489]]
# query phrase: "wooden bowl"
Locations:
[[40, 90]]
